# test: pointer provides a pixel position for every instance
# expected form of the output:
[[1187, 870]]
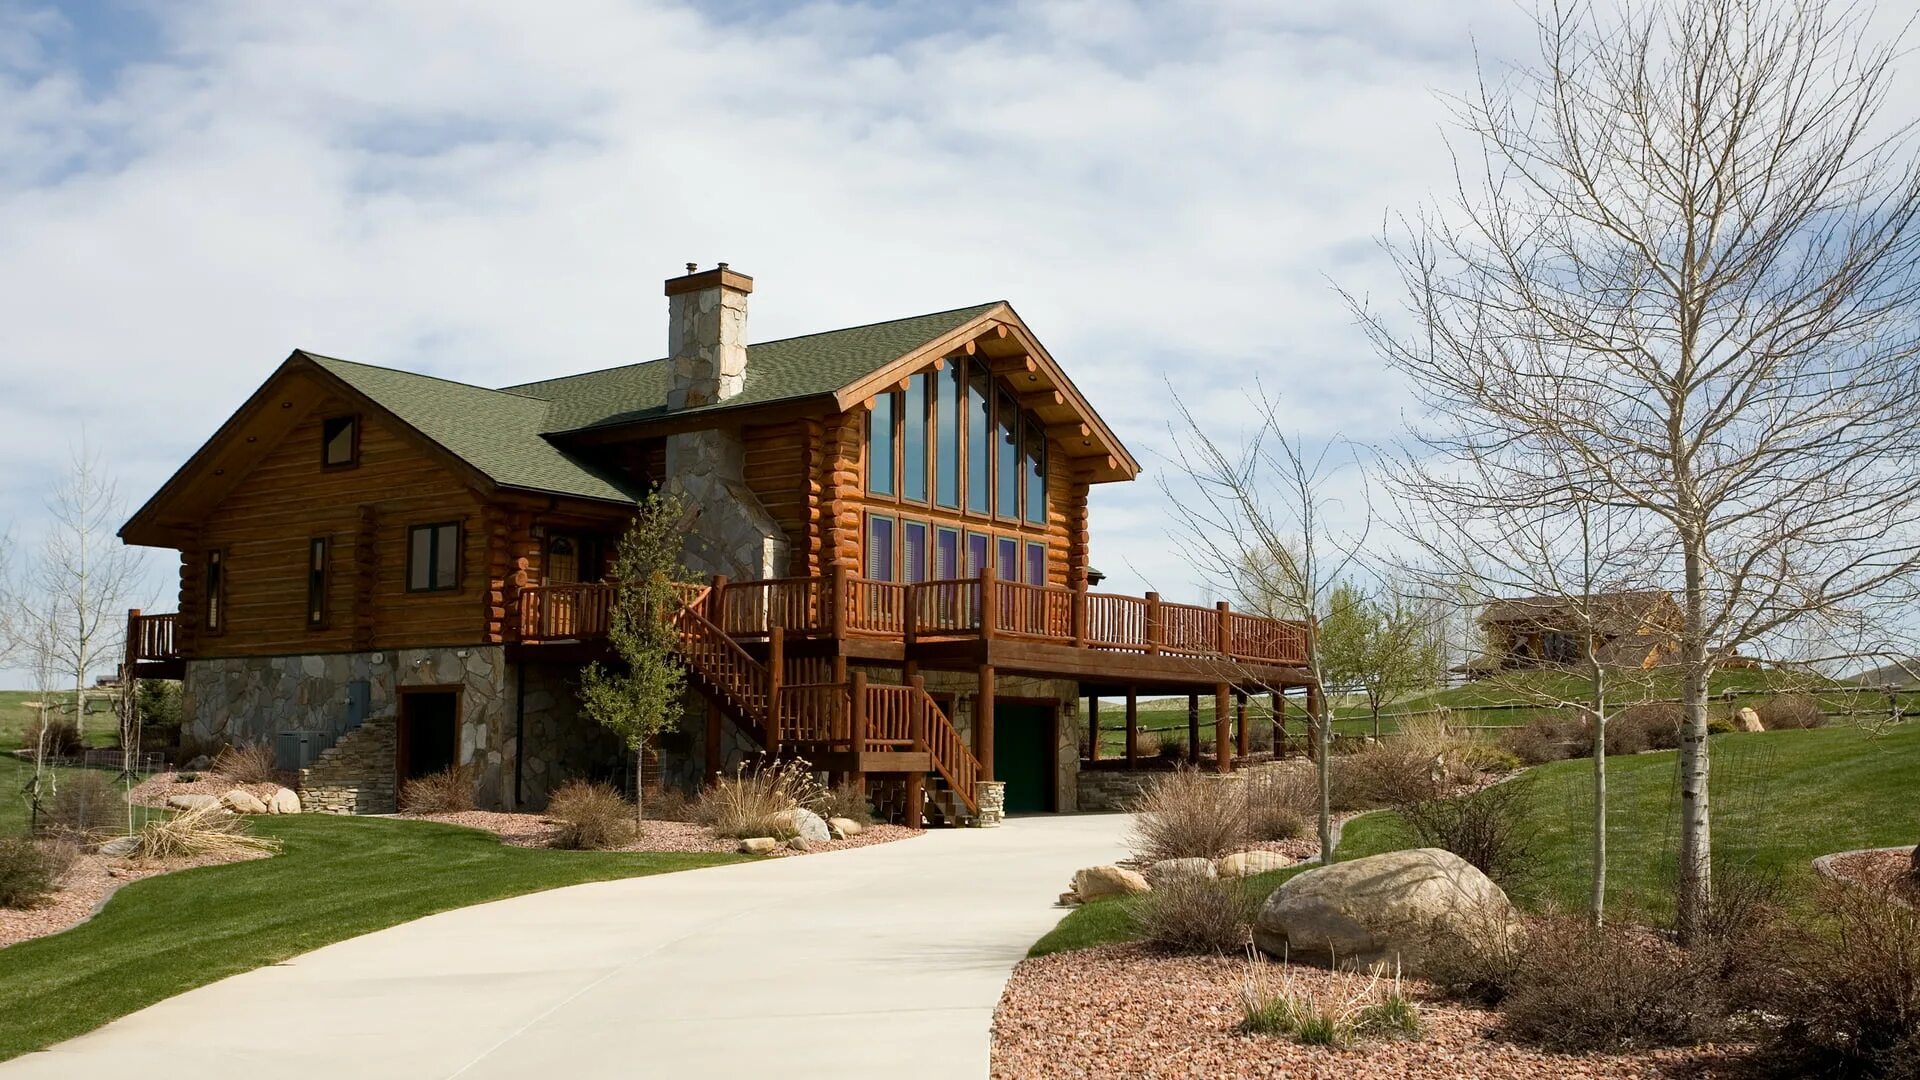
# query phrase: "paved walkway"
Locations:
[[884, 961]]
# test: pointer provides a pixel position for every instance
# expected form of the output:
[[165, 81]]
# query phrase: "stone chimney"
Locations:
[[706, 336], [729, 531]]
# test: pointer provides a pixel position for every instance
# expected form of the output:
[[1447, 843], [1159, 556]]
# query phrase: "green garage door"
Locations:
[[1023, 756]]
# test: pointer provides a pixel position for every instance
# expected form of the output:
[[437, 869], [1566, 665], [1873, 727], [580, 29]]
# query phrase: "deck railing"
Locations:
[[845, 605], [152, 637]]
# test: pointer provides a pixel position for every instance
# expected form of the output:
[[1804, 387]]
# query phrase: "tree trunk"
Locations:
[[1375, 706], [1323, 741], [1696, 826], [1598, 898], [639, 790]]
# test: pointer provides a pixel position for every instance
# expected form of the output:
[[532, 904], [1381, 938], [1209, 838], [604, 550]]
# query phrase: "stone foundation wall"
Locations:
[[683, 751], [562, 742], [1111, 789]]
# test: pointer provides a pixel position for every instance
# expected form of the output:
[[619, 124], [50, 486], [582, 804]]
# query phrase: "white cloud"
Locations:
[[494, 192]]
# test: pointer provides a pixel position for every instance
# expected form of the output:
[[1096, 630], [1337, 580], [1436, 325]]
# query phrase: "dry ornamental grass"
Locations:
[[200, 832], [592, 817], [446, 792], [247, 763]]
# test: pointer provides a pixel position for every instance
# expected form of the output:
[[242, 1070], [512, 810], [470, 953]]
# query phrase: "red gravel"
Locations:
[[533, 830], [1128, 1011], [86, 885], [1879, 867], [155, 790]]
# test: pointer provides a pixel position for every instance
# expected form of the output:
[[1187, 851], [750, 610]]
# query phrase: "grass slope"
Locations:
[[1780, 799], [338, 877]]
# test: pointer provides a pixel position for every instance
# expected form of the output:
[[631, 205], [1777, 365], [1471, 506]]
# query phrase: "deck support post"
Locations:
[[717, 611], [857, 722], [1278, 700], [989, 603], [1077, 617], [1193, 729], [1093, 727], [916, 813], [983, 722], [1133, 728], [1223, 630], [841, 601], [776, 663], [1240, 723], [1223, 728], [1152, 624]]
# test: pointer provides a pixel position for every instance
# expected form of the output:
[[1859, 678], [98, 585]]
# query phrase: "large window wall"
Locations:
[[955, 475]]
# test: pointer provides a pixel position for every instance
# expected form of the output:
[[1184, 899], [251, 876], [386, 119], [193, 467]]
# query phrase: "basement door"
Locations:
[[1023, 752], [429, 725]]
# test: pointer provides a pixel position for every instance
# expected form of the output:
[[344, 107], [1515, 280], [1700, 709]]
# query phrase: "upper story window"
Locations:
[[979, 444], [1033, 461], [433, 557], [216, 583], [880, 446], [1006, 431], [949, 413], [340, 441], [317, 582], [913, 439]]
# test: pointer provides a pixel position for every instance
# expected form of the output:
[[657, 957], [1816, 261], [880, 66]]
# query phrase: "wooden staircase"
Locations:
[[897, 737]]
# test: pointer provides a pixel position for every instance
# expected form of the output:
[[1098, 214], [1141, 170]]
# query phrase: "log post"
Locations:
[[1153, 624], [1223, 634], [909, 620], [989, 603], [1278, 703], [983, 723], [841, 602], [857, 720], [1079, 618], [1222, 728], [776, 665], [1133, 728], [916, 814], [917, 717], [715, 609], [1093, 727], [1193, 729], [135, 646]]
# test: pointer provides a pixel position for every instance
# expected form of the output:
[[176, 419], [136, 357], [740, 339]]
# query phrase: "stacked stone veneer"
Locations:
[[991, 797], [1112, 789], [356, 774], [256, 698]]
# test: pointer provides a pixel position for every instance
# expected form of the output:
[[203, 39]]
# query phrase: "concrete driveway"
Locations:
[[883, 961]]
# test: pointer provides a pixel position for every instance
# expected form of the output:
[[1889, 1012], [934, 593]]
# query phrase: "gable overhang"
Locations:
[[288, 396]]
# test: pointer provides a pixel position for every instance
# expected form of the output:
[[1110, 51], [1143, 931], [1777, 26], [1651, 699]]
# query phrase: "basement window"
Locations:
[[340, 441]]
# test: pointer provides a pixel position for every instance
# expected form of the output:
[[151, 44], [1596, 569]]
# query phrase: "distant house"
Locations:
[[1630, 629]]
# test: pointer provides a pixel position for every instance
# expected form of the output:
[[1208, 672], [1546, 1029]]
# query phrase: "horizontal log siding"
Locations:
[[264, 525], [776, 471]]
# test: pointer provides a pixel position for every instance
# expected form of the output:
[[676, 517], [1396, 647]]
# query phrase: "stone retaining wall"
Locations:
[[354, 775]]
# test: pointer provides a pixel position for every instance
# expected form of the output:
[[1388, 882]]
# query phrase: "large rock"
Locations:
[[758, 845], [1248, 863], [841, 827], [120, 847], [242, 801], [800, 822], [283, 801], [1179, 870], [1095, 882], [1380, 908], [1747, 720], [191, 801]]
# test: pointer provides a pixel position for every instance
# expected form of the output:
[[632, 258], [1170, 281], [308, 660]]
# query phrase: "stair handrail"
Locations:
[[949, 753], [696, 626]]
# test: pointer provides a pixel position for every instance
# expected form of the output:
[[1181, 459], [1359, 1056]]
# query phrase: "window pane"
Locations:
[[913, 439], [1007, 479], [977, 546], [879, 548], [946, 556], [949, 408], [446, 560], [880, 446], [979, 443], [216, 584], [1007, 561], [317, 582], [1036, 564], [420, 559], [1034, 458], [338, 435], [913, 550]]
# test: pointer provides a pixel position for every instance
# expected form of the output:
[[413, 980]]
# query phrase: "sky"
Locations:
[[493, 192]]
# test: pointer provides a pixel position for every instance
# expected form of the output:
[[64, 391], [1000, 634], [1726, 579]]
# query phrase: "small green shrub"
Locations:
[[1196, 914], [1492, 758], [1393, 1016], [592, 817], [1718, 725], [186, 777], [1345, 1007], [449, 791], [30, 870]]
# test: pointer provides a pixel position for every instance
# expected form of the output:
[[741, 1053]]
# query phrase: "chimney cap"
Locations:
[[720, 277]]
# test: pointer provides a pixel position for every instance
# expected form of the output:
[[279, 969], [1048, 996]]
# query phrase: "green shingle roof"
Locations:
[[502, 433], [776, 371]]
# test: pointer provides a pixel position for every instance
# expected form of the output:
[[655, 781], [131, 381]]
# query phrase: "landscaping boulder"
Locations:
[[841, 828], [1747, 720], [1095, 882], [801, 822], [191, 801], [1248, 863], [1179, 870], [120, 847], [758, 845], [800, 843], [1380, 908], [283, 801], [242, 801], [200, 763]]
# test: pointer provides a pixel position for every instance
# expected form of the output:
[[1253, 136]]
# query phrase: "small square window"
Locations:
[[340, 441]]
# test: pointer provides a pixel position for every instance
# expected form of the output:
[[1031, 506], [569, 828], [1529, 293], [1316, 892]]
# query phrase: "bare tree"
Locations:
[[1261, 520], [1489, 535], [83, 577], [1684, 261]]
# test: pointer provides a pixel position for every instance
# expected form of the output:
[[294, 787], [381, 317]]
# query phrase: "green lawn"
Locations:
[[337, 878], [17, 710], [1780, 799]]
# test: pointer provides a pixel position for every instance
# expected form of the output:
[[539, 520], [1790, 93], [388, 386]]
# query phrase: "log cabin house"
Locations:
[[1627, 628], [384, 573]]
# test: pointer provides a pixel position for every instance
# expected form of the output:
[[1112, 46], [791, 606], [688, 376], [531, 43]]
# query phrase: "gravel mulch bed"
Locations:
[[86, 885], [1129, 1011], [1879, 867], [155, 790], [533, 830]]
